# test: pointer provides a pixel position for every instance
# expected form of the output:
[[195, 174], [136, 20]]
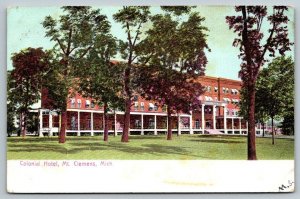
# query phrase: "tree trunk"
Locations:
[[169, 133], [127, 102], [251, 126], [62, 133], [263, 129], [125, 134], [105, 115], [115, 125], [273, 133]]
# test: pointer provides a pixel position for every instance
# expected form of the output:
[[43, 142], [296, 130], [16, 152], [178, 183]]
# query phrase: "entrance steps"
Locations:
[[212, 132]]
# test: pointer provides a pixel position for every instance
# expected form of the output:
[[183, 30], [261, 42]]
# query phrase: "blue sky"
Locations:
[[25, 30]]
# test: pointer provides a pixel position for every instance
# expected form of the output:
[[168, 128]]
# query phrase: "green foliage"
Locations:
[[174, 52], [274, 91], [75, 34], [101, 79]]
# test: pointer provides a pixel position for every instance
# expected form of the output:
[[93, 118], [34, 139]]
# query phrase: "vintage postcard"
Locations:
[[150, 99]]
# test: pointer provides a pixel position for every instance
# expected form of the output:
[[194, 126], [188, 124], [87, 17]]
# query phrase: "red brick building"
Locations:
[[219, 114]]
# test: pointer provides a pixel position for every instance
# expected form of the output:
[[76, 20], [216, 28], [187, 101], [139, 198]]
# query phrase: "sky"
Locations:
[[24, 29]]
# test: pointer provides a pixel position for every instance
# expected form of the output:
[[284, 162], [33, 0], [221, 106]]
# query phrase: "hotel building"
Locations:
[[218, 114]]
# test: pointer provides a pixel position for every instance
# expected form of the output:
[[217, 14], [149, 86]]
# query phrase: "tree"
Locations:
[[178, 58], [11, 106], [101, 79], [253, 47], [133, 19], [74, 34], [288, 122], [26, 77], [277, 84]]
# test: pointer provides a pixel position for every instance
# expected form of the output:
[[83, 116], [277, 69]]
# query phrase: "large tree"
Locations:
[[276, 83], [133, 20], [178, 59], [25, 79], [101, 78], [253, 46], [74, 34]]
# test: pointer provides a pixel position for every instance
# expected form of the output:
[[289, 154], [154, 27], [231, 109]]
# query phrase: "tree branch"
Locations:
[[61, 46], [86, 51], [69, 42]]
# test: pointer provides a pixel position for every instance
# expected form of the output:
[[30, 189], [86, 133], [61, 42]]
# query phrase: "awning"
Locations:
[[151, 105], [216, 88], [87, 102], [72, 100]]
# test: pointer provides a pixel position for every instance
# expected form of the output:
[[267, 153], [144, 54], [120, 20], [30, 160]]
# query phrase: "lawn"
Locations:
[[184, 147]]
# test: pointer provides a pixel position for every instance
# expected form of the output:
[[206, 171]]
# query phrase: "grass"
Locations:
[[184, 147]]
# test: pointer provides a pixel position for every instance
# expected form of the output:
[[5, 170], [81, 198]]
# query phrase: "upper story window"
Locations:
[[93, 104], [72, 103], [135, 98], [151, 107], [234, 91], [136, 106], [78, 103], [216, 89], [155, 107], [224, 90], [227, 90], [142, 106], [208, 88], [87, 103]]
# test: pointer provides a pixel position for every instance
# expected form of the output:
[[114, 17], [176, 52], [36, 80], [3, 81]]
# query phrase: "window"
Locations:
[[78, 103], [155, 107], [227, 90], [142, 106], [208, 88], [164, 108], [136, 106], [137, 124], [224, 90], [72, 103], [197, 124], [216, 89], [151, 107], [73, 123], [93, 104], [87, 103], [135, 98]]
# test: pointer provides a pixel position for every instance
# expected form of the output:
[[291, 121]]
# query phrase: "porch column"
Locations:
[[78, 123], [202, 118], [92, 124], [214, 116], [50, 124], [41, 123], [115, 122], [142, 124], [191, 124], [240, 124], [155, 130], [178, 125], [225, 120], [247, 126]]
